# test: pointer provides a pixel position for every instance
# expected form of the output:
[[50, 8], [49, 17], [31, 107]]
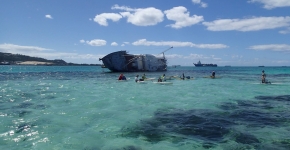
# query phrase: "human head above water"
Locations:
[[263, 71]]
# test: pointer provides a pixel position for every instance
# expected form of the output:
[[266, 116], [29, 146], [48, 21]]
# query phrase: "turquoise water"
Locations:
[[48, 107]]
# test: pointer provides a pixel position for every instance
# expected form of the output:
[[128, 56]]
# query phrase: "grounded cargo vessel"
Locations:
[[199, 64], [121, 61]]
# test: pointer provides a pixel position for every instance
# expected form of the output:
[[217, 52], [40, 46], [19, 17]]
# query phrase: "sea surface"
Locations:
[[86, 108]]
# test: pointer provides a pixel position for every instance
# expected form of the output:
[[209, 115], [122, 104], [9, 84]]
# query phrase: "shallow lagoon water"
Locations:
[[61, 107]]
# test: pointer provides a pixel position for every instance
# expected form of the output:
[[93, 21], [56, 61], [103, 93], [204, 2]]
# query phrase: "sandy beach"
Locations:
[[34, 63]]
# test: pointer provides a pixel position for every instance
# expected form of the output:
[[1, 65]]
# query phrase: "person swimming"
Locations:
[[159, 79], [122, 77], [143, 77]]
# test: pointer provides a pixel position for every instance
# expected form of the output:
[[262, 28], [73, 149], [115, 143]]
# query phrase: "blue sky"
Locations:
[[225, 32]]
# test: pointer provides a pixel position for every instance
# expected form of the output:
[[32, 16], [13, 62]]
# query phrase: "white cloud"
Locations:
[[36, 51], [196, 56], [125, 8], [199, 57], [114, 44], [125, 43], [29, 50], [270, 4], [210, 46], [48, 16], [97, 42], [81, 56], [251, 24], [286, 31], [181, 17], [143, 16], [102, 18], [281, 61], [82, 41], [216, 58], [18, 49], [202, 4], [237, 56], [192, 57], [173, 56], [144, 42], [271, 47]]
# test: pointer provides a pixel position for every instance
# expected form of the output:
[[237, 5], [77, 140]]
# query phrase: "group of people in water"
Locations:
[[162, 78], [142, 78]]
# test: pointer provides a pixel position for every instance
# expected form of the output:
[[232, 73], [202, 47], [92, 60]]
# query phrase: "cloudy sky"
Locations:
[[225, 32]]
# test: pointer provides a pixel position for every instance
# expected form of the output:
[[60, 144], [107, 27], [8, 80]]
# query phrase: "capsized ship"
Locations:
[[199, 64], [121, 61]]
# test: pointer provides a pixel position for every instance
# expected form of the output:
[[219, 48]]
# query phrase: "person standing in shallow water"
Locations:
[[263, 77], [213, 74], [163, 78], [183, 76], [136, 78]]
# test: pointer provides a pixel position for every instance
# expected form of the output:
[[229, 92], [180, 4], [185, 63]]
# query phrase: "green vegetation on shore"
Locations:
[[18, 59]]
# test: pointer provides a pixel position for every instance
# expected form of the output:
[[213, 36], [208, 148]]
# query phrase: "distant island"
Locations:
[[18, 59]]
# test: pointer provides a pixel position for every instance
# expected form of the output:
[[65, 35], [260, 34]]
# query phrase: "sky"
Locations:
[[223, 32]]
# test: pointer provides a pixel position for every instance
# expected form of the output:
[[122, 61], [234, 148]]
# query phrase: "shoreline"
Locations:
[[41, 63]]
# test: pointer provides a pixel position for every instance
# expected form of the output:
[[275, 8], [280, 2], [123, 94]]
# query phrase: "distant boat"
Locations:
[[199, 64], [121, 61], [261, 66]]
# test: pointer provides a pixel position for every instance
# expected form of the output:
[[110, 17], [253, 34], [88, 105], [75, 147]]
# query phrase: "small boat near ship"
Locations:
[[199, 64], [121, 61]]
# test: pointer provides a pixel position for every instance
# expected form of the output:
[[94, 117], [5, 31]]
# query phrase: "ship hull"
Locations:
[[199, 64], [121, 61]]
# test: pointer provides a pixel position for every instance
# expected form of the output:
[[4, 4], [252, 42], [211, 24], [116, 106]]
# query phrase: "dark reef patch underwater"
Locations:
[[232, 122]]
